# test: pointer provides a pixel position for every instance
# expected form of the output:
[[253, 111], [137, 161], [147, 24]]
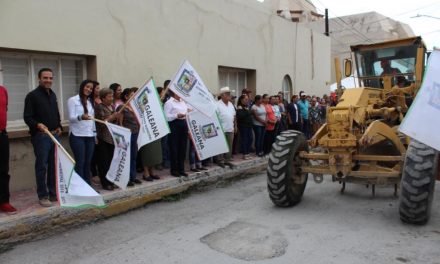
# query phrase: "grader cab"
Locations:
[[360, 142]]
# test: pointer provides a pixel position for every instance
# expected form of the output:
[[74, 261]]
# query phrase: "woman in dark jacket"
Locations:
[[244, 123]]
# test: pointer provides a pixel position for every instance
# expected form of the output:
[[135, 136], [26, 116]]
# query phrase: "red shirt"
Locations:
[[270, 117], [3, 107]]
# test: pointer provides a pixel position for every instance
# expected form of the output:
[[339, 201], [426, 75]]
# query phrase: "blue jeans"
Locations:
[[44, 150], [133, 155], [82, 148], [259, 132], [245, 139]]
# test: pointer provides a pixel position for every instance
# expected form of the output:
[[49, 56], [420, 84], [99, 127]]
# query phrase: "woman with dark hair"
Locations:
[[271, 120], [259, 124], [244, 122], [82, 129], [129, 120], [95, 100], [175, 112], [94, 96], [105, 112], [117, 91], [151, 156]]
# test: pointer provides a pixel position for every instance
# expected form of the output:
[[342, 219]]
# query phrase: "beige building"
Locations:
[[239, 43]]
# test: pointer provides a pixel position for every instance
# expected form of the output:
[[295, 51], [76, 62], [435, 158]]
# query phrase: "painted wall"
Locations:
[[135, 39]]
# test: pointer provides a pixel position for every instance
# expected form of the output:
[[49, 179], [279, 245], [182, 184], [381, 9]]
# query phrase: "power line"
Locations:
[[376, 21], [345, 22], [335, 39], [423, 7], [400, 14], [431, 32]]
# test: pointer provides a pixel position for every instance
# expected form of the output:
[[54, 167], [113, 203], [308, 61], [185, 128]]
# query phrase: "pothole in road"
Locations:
[[247, 241]]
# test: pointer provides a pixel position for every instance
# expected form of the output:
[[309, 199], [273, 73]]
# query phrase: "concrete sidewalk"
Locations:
[[35, 222]]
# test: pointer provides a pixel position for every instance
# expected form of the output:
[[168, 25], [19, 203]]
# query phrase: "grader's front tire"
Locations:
[[418, 181], [285, 181]]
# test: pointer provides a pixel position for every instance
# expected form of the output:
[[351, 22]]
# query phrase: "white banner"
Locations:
[[423, 118], [72, 190], [188, 85], [206, 135], [149, 112], [119, 172]]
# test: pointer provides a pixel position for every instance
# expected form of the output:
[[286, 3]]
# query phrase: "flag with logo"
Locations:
[[148, 109], [188, 85], [119, 172], [206, 135], [72, 190], [423, 118]]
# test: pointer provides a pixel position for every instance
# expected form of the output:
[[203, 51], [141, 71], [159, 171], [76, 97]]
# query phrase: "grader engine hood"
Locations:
[[352, 107], [360, 97]]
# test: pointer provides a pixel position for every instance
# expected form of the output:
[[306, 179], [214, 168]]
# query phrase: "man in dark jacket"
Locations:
[[41, 114], [294, 114]]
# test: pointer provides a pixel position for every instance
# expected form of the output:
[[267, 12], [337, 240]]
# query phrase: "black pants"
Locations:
[[269, 138], [306, 128], [295, 126], [4, 167], [177, 142], [105, 156]]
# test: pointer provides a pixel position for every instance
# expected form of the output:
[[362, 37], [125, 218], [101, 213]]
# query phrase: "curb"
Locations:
[[48, 221]]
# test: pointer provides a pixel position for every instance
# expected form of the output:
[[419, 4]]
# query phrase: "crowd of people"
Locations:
[[250, 124], [268, 115]]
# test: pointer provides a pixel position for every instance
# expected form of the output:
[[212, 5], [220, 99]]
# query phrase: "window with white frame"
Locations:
[[235, 79], [20, 76]]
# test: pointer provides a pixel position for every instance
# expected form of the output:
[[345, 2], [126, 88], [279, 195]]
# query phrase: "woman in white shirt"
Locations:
[[82, 129], [175, 113], [259, 121]]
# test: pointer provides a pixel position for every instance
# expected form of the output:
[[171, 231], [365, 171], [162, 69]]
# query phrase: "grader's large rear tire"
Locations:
[[285, 181], [418, 181]]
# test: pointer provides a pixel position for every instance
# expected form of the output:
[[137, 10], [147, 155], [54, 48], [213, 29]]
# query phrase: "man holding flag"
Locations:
[[41, 114]]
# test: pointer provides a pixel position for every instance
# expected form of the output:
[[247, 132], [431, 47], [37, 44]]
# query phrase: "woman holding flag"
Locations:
[[82, 129], [105, 111], [129, 120]]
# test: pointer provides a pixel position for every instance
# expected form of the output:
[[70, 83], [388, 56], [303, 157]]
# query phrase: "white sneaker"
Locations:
[[45, 202]]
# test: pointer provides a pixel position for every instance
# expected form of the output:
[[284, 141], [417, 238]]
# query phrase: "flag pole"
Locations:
[[98, 120], [126, 103], [59, 145], [131, 97]]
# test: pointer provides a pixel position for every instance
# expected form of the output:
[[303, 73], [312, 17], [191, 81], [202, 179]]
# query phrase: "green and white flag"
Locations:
[[119, 171], [206, 135], [188, 85], [148, 109], [423, 118], [72, 190]]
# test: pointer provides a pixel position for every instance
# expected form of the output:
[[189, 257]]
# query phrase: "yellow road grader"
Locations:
[[360, 142]]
